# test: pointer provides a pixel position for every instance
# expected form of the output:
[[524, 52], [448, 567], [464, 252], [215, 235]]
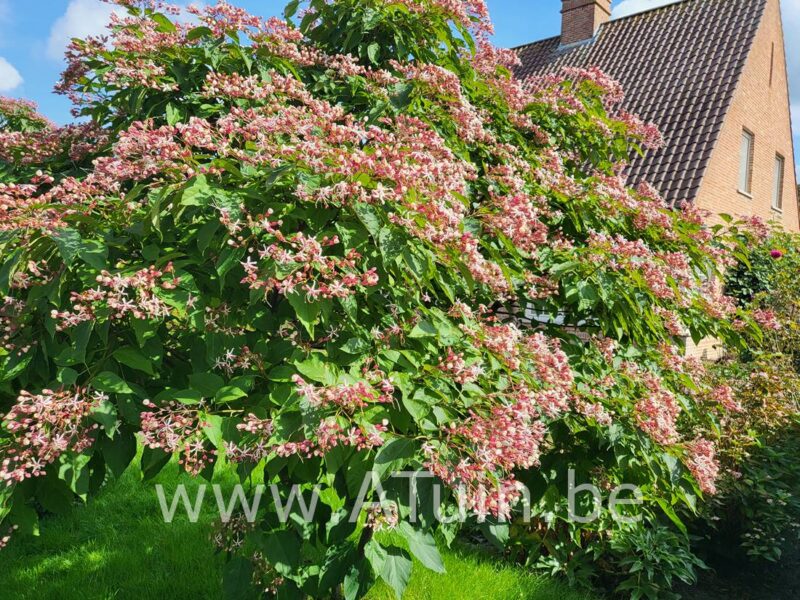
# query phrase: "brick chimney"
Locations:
[[580, 19]]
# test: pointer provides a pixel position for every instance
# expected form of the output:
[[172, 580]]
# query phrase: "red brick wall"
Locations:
[[580, 19], [760, 105]]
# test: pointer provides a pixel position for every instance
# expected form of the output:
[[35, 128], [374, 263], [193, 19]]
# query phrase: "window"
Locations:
[[746, 163], [777, 184]]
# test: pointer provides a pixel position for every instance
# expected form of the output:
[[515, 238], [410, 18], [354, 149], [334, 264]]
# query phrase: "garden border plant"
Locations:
[[307, 247]]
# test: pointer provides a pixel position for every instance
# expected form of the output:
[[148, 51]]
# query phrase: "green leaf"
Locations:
[[229, 393], [54, 494], [368, 215], [188, 396], [237, 579], [393, 455], [206, 234], [291, 9], [229, 258], [94, 253], [401, 95], [25, 518], [197, 192], [134, 359], [306, 311], [391, 244], [153, 461], [69, 243], [423, 547], [397, 570], [206, 383], [175, 114], [673, 516], [497, 533], [375, 555], [317, 370], [373, 52], [111, 383], [213, 430], [106, 414], [119, 452], [356, 346], [357, 582], [282, 550], [423, 329]]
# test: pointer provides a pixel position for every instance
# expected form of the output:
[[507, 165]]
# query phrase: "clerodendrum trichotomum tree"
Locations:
[[314, 249]]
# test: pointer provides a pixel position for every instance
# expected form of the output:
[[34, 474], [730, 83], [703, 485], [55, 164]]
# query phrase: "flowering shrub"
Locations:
[[353, 244], [757, 509]]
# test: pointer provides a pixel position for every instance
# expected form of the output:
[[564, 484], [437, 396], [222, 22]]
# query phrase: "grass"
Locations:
[[118, 546]]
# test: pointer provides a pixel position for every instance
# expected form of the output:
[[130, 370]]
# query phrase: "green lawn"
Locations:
[[118, 546]]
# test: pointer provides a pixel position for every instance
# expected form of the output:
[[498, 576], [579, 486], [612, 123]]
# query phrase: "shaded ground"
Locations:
[[730, 580]]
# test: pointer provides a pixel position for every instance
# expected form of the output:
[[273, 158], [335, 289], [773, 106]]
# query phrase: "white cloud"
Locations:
[[81, 19], [631, 7], [90, 17], [9, 76]]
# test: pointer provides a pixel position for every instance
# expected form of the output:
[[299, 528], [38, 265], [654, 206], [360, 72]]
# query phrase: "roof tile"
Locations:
[[679, 65]]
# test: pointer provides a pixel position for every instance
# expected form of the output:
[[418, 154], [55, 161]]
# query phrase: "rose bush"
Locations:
[[354, 244]]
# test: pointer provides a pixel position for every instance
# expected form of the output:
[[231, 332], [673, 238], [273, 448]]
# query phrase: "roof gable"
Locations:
[[679, 65]]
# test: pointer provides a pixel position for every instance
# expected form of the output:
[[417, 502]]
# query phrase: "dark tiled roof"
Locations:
[[679, 66]]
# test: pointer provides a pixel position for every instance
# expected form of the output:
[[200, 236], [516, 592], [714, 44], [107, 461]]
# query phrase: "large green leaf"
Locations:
[[393, 455], [111, 383], [422, 546], [134, 359], [396, 570]]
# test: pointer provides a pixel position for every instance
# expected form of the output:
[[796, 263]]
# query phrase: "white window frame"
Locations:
[[779, 176], [746, 168]]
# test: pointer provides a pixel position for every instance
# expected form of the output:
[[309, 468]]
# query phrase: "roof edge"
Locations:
[[637, 14]]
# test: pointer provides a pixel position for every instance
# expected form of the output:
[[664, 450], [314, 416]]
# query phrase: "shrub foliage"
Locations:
[[352, 242]]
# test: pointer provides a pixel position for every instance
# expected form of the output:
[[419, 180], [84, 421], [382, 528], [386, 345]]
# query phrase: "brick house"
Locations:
[[712, 75]]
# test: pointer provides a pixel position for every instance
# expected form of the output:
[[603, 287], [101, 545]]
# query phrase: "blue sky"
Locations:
[[33, 34]]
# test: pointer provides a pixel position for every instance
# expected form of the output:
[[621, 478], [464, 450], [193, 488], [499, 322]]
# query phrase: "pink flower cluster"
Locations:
[[767, 319], [317, 275], [382, 517], [445, 85], [223, 18], [662, 272], [125, 295], [18, 108], [43, 427], [331, 434], [702, 463], [485, 450], [457, 369], [349, 397], [503, 340], [518, 218], [723, 395], [256, 426], [657, 413], [11, 310], [175, 428], [230, 362], [21, 209], [34, 147], [328, 434]]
